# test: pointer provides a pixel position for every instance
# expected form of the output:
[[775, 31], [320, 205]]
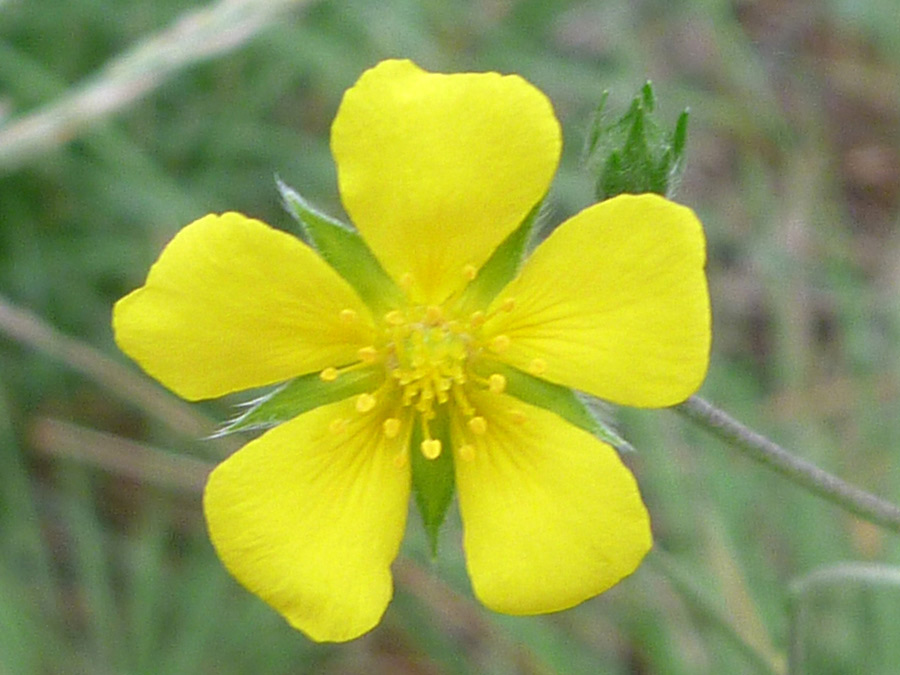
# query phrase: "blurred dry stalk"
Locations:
[[196, 36]]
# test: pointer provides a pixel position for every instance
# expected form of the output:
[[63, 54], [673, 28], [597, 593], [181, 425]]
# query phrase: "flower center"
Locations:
[[428, 360]]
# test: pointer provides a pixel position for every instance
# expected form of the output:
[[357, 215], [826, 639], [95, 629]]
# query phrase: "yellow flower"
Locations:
[[436, 172]]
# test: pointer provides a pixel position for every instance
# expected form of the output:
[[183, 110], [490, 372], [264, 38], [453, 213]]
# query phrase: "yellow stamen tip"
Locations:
[[478, 425], [391, 427], [508, 304], [367, 354], [406, 281], [365, 402], [329, 374], [467, 452], [537, 367], [497, 383], [518, 416], [394, 318], [433, 314], [400, 459], [499, 343], [338, 426], [469, 272], [431, 448], [348, 315]]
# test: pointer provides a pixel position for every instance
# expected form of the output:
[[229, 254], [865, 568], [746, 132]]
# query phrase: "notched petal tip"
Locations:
[[310, 520], [436, 170]]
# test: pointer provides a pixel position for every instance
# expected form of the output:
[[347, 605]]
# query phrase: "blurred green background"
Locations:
[[120, 122]]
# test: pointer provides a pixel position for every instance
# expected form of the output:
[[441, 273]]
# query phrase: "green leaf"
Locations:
[[501, 267], [344, 249], [561, 400], [301, 395], [433, 480]]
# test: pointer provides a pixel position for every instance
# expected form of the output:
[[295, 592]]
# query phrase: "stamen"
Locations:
[[329, 374], [477, 319], [391, 427], [469, 272], [338, 426], [477, 425], [367, 354], [537, 367], [348, 315], [499, 343], [518, 416], [433, 314], [406, 281], [395, 318], [401, 457], [467, 452], [497, 383], [365, 403], [508, 305], [431, 448]]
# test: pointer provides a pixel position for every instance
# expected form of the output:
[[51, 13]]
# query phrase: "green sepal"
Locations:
[[301, 395], [501, 267], [344, 249], [432, 479], [558, 399], [634, 154]]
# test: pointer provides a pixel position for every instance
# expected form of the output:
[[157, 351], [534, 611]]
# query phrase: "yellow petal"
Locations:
[[614, 303], [232, 304], [435, 170], [310, 516], [551, 516]]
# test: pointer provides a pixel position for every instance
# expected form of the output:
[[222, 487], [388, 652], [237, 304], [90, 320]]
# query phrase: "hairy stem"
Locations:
[[803, 473]]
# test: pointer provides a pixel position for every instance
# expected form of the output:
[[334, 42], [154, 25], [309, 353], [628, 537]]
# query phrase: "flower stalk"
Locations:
[[801, 472]]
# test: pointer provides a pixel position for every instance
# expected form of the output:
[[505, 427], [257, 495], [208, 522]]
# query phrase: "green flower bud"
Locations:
[[634, 154]]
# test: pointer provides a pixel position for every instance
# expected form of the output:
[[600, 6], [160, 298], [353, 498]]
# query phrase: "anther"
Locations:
[[467, 452], [508, 305], [431, 448], [338, 426], [477, 425], [329, 374], [395, 318], [433, 314], [348, 315], [518, 416], [406, 281], [499, 343], [469, 272], [367, 354], [391, 427], [537, 367], [497, 383], [476, 319], [365, 402]]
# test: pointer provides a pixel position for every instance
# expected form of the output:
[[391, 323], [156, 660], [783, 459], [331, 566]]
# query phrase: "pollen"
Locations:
[[329, 374], [469, 272], [394, 318], [477, 425], [367, 354], [508, 305], [499, 344], [338, 426], [537, 367], [496, 383], [365, 403], [431, 448], [348, 315], [467, 452], [391, 427]]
